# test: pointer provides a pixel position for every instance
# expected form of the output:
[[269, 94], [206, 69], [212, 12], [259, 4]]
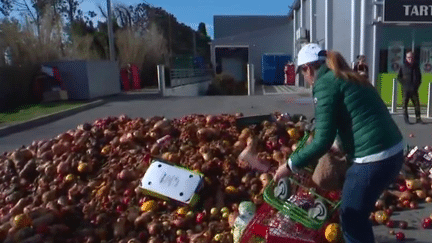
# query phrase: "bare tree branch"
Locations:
[[103, 12]]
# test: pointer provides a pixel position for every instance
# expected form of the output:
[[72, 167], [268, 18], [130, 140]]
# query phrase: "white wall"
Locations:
[[320, 21], [103, 78], [340, 31]]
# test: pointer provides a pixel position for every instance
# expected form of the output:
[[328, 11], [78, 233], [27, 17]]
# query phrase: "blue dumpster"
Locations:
[[273, 68]]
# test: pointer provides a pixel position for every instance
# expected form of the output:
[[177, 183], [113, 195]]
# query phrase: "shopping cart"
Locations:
[[270, 226], [300, 219]]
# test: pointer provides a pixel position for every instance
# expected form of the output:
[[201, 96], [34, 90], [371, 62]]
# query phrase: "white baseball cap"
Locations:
[[310, 53]]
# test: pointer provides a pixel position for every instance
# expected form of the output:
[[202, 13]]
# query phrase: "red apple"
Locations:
[[379, 204], [390, 224], [144, 235], [427, 223], [403, 224], [298, 227], [127, 193], [413, 205], [146, 159], [120, 208], [182, 239], [334, 195], [199, 218], [389, 211], [400, 236], [402, 188], [372, 217], [406, 203], [126, 200]]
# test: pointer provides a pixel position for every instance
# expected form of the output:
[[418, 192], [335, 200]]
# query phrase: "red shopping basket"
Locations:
[[285, 221], [272, 227]]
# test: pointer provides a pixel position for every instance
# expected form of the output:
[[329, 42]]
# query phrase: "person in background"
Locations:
[[361, 66], [409, 76], [348, 107]]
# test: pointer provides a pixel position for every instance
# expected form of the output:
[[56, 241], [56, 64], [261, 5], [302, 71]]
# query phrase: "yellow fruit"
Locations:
[[231, 190], [105, 150], [214, 211], [413, 184], [217, 237], [333, 233], [292, 132], [381, 217], [421, 194], [83, 167], [224, 210], [182, 211], [190, 214], [69, 177], [22, 220], [148, 206]]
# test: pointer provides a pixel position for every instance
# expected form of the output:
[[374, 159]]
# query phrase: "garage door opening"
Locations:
[[232, 61]]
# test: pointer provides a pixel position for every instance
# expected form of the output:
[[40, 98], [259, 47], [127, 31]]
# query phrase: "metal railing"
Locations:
[[189, 73], [394, 99], [181, 77]]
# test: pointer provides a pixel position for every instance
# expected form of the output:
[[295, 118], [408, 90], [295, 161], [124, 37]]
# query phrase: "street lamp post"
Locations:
[[110, 33]]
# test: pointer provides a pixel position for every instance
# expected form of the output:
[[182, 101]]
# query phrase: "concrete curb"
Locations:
[[38, 121]]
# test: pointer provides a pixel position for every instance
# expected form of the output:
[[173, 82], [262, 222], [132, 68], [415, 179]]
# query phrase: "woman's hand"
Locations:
[[282, 171], [250, 157]]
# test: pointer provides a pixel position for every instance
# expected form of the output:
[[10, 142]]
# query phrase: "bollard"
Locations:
[[251, 79], [394, 97], [429, 104], [161, 78]]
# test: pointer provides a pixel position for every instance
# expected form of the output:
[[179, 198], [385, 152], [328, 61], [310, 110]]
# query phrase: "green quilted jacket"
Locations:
[[355, 113]]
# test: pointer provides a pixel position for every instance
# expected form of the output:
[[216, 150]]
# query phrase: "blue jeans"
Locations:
[[363, 185]]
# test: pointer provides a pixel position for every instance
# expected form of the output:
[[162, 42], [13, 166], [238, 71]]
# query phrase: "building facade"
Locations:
[[382, 30], [239, 40]]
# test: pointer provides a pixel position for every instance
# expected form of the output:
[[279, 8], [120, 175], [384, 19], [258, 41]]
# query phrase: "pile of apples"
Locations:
[[412, 186], [84, 184]]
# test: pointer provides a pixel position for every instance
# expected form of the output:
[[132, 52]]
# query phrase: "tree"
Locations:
[[70, 9], [5, 7], [202, 29], [36, 9]]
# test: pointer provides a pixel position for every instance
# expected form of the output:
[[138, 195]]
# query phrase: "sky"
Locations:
[[192, 12]]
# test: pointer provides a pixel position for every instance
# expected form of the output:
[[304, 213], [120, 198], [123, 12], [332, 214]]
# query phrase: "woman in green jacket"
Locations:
[[347, 106]]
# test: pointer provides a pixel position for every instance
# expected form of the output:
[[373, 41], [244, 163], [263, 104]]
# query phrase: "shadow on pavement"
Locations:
[[128, 97]]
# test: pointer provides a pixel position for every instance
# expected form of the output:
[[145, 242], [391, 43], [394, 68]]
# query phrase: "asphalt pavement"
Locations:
[[147, 105]]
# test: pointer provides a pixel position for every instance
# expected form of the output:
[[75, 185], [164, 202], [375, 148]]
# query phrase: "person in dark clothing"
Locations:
[[361, 66], [410, 77]]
